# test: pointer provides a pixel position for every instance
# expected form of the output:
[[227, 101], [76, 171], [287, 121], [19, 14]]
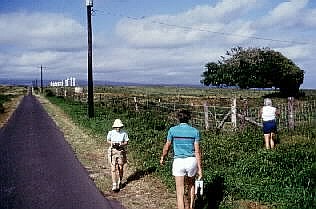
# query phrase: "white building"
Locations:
[[68, 82]]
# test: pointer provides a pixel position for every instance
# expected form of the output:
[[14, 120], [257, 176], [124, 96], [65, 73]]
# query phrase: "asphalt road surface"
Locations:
[[38, 168]]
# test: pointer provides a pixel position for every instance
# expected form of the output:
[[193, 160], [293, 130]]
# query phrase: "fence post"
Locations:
[[234, 112], [136, 106], [290, 113], [244, 113], [206, 116]]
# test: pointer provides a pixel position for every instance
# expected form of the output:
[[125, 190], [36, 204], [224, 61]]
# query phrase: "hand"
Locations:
[[162, 161], [200, 175], [123, 144]]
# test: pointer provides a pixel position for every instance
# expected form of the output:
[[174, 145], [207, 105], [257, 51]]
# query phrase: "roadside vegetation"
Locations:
[[9, 97], [238, 171], [7, 93]]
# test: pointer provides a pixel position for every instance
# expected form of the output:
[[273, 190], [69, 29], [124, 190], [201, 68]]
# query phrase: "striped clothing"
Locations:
[[183, 137]]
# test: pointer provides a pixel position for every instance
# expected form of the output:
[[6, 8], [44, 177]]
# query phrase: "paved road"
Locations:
[[38, 169]]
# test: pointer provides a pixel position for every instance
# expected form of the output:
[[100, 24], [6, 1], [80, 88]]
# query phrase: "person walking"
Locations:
[[187, 162], [118, 140], [268, 113]]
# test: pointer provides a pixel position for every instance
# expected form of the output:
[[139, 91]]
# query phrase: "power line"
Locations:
[[201, 29]]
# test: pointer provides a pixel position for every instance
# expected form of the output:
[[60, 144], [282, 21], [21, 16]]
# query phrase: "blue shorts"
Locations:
[[269, 127]]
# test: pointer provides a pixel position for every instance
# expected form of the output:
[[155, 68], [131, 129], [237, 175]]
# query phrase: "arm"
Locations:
[[260, 113], [198, 155], [165, 151], [125, 142], [108, 138]]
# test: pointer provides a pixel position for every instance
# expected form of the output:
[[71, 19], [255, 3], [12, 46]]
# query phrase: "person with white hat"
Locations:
[[118, 140]]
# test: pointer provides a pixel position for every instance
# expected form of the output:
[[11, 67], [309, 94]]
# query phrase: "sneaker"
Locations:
[[114, 187]]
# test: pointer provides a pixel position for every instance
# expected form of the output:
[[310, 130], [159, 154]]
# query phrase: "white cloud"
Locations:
[[309, 18], [33, 39], [184, 28], [40, 31], [285, 14], [296, 51], [223, 11], [148, 34], [240, 32]]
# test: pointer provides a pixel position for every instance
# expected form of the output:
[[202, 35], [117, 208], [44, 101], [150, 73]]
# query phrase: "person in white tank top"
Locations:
[[268, 113]]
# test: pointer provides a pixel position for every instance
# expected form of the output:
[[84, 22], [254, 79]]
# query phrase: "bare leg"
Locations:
[[121, 172], [191, 189], [267, 141], [114, 174], [272, 135], [180, 191]]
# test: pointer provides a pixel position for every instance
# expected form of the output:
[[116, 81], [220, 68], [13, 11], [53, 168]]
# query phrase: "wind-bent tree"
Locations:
[[254, 68]]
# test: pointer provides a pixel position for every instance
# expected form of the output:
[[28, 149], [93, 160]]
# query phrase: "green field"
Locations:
[[236, 167]]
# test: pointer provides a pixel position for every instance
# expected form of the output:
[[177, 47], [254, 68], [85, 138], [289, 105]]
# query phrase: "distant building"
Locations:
[[78, 90], [68, 82]]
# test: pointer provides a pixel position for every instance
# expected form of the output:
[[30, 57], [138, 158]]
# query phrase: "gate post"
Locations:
[[206, 116], [234, 112], [290, 113]]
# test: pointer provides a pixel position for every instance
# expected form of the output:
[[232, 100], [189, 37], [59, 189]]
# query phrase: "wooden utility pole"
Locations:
[[42, 78], [89, 4]]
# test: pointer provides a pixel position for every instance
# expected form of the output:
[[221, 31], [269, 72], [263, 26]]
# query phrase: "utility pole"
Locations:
[[89, 4], [42, 78]]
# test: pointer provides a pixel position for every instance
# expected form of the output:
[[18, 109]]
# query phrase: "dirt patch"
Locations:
[[138, 192]]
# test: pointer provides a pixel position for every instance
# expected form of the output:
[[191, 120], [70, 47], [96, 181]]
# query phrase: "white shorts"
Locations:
[[184, 167]]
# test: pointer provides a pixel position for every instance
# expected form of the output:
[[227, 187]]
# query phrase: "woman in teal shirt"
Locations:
[[187, 156]]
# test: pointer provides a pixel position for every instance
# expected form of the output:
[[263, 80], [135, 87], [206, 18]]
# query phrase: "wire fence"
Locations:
[[208, 113]]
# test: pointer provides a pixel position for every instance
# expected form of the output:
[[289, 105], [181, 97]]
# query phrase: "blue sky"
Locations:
[[145, 41]]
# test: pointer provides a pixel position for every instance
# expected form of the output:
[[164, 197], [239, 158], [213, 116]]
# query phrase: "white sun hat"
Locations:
[[267, 102], [117, 124]]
